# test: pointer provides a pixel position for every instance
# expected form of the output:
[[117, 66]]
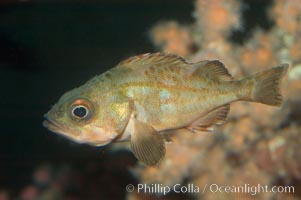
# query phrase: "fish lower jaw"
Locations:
[[96, 137], [98, 144], [95, 142], [56, 128]]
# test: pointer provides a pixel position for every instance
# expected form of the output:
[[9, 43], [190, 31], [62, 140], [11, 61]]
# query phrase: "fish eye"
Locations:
[[81, 109]]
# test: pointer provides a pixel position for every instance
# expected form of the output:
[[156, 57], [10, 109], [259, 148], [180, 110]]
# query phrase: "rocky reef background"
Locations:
[[258, 144]]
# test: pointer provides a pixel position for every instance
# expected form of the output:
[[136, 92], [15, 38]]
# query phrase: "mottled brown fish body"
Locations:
[[164, 106], [146, 95]]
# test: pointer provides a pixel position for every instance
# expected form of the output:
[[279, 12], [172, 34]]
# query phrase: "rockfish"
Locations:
[[147, 95]]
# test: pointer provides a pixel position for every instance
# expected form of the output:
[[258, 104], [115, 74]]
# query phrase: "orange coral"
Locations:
[[171, 37], [258, 144], [286, 14], [217, 16], [295, 50]]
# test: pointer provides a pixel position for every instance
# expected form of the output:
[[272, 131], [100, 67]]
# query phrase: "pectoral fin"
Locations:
[[146, 143], [207, 122]]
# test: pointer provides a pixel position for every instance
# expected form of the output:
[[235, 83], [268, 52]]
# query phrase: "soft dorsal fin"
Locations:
[[152, 59], [214, 69], [207, 122]]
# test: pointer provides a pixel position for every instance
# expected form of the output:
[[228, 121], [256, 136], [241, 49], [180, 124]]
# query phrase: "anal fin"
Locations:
[[207, 122], [146, 143]]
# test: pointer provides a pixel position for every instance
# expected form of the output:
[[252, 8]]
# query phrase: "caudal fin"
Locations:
[[267, 86]]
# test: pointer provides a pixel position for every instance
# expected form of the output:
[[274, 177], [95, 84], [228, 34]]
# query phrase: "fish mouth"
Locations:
[[53, 125]]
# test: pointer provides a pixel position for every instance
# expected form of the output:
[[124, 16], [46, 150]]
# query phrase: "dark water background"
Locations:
[[50, 47]]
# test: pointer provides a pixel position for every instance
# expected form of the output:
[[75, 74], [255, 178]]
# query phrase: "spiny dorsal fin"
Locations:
[[207, 122], [152, 59], [214, 69]]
